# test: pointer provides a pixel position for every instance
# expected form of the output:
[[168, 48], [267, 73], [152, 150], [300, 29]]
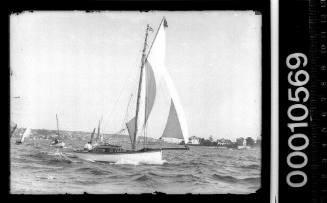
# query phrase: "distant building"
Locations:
[[223, 142], [194, 140], [240, 141]]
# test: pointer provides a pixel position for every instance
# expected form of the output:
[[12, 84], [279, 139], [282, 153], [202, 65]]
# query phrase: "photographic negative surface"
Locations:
[[135, 102]]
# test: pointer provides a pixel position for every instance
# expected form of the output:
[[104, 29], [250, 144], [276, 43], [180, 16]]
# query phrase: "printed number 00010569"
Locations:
[[297, 78]]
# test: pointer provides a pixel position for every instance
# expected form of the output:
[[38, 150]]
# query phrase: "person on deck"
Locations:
[[88, 146]]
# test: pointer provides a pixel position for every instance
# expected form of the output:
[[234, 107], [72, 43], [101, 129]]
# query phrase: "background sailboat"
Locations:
[[99, 138], [92, 135], [26, 133], [152, 68], [13, 127], [58, 143]]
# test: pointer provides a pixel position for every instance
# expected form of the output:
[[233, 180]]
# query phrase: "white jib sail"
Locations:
[[156, 59], [26, 134]]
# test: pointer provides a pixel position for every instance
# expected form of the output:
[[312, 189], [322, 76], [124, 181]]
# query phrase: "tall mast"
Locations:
[[140, 85], [98, 136], [57, 126]]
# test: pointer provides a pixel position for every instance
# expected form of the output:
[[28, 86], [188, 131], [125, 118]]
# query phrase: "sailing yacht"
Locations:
[[26, 133], [57, 142], [152, 65], [99, 138]]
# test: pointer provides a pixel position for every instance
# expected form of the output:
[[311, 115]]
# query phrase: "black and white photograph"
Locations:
[[115, 102]]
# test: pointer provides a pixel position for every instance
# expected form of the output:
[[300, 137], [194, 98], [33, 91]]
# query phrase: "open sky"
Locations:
[[84, 66]]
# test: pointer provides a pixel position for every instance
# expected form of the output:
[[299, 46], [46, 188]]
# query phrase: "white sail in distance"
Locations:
[[99, 137], [26, 134], [156, 59]]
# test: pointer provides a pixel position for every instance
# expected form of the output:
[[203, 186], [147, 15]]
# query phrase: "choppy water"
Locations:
[[37, 168]]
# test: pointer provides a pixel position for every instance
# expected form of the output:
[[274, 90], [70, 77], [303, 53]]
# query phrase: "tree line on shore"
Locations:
[[248, 141]]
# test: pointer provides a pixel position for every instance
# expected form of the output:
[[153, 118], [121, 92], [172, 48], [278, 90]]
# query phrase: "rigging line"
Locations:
[[134, 81], [123, 127], [122, 90], [145, 107], [113, 107]]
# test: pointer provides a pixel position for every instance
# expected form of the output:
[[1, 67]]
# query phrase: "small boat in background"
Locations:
[[26, 133], [57, 142], [13, 128], [244, 146], [99, 138]]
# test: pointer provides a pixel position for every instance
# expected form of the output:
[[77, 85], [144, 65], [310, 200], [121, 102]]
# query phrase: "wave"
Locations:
[[250, 158], [143, 178], [189, 176], [58, 161], [251, 166], [193, 163], [178, 178], [94, 171], [50, 158], [37, 155], [122, 176], [251, 180], [86, 182], [199, 170], [47, 177], [231, 179], [146, 180], [225, 178]]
